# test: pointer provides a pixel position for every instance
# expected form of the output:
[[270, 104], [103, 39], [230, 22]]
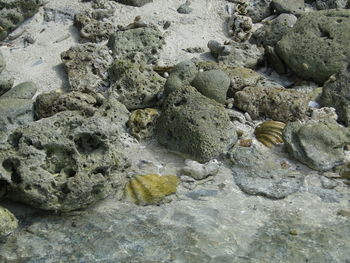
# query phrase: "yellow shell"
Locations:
[[150, 188], [269, 133]]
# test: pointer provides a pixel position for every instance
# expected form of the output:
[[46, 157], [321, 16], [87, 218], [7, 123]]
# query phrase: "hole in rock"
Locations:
[[87, 143], [11, 165]]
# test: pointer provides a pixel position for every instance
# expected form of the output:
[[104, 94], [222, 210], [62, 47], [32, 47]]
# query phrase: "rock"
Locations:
[[242, 55], [257, 173], [288, 6], [142, 123], [24, 90], [212, 84], [2, 62], [50, 103], [274, 60], [67, 161], [194, 124], [259, 9], [87, 65], [331, 4], [134, 2], [181, 75], [336, 94], [185, 8], [324, 113], [240, 27], [275, 103], [14, 12], [319, 145], [200, 171], [217, 49], [146, 40], [6, 82], [271, 33], [317, 46], [8, 222], [134, 85]]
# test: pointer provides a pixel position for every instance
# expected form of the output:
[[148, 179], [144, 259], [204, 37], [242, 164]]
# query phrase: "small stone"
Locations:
[[200, 171], [8, 222]]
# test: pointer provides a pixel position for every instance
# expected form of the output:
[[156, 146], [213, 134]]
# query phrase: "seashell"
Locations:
[[150, 189], [269, 133]]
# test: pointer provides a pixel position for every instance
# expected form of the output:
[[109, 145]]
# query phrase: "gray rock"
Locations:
[[146, 40], [217, 49], [134, 2], [8, 222], [135, 85], [271, 33], [259, 9], [336, 94], [213, 84], [319, 145], [242, 55], [87, 66], [6, 81], [24, 90], [331, 4], [185, 8], [67, 161], [200, 171], [257, 173], [288, 6], [194, 124], [2, 62], [181, 75], [276, 103], [317, 46]]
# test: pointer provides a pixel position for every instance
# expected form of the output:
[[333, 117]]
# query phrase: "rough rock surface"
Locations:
[[142, 123], [67, 161], [8, 222], [331, 4], [318, 44], [276, 103], [288, 6], [145, 40], [212, 84], [259, 174], [194, 124], [135, 85], [320, 145], [259, 9], [336, 94], [87, 66]]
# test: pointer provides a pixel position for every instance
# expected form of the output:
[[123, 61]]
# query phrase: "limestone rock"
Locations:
[[194, 124], [145, 40], [6, 82], [67, 161], [134, 85], [142, 122], [319, 145], [318, 44], [212, 84], [276, 103], [336, 94], [8, 222], [87, 65], [288, 6]]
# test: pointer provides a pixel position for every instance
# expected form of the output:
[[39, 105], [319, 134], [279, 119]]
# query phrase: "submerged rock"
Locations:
[[194, 124], [319, 145], [8, 222], [67, 161]]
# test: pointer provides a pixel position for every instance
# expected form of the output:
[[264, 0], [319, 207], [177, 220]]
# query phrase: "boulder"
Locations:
[[288, 6]]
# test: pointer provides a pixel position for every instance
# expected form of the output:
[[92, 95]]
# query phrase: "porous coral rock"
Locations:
[[8, 222], [142, 122]]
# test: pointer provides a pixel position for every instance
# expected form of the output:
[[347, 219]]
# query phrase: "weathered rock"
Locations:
[[276, 103], [6, 81], [24, 90], [240, 27], [259, 9], [217, 49], [2, 62], [331, 4], [48, 104], [185, 8], [8, 222], [134, 85], [146, 40], [134, 2], [288, 6], [194, 124], [319, 145], [317, 46], [271, 33], [67, 161], [257, 173], [142, 123], [242, 55], [181, 75], [212, 84], [14, 12], [87, 66], [200, 171], [336, 94]]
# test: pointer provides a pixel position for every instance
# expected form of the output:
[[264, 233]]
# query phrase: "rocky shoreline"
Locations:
[[174, 131]]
